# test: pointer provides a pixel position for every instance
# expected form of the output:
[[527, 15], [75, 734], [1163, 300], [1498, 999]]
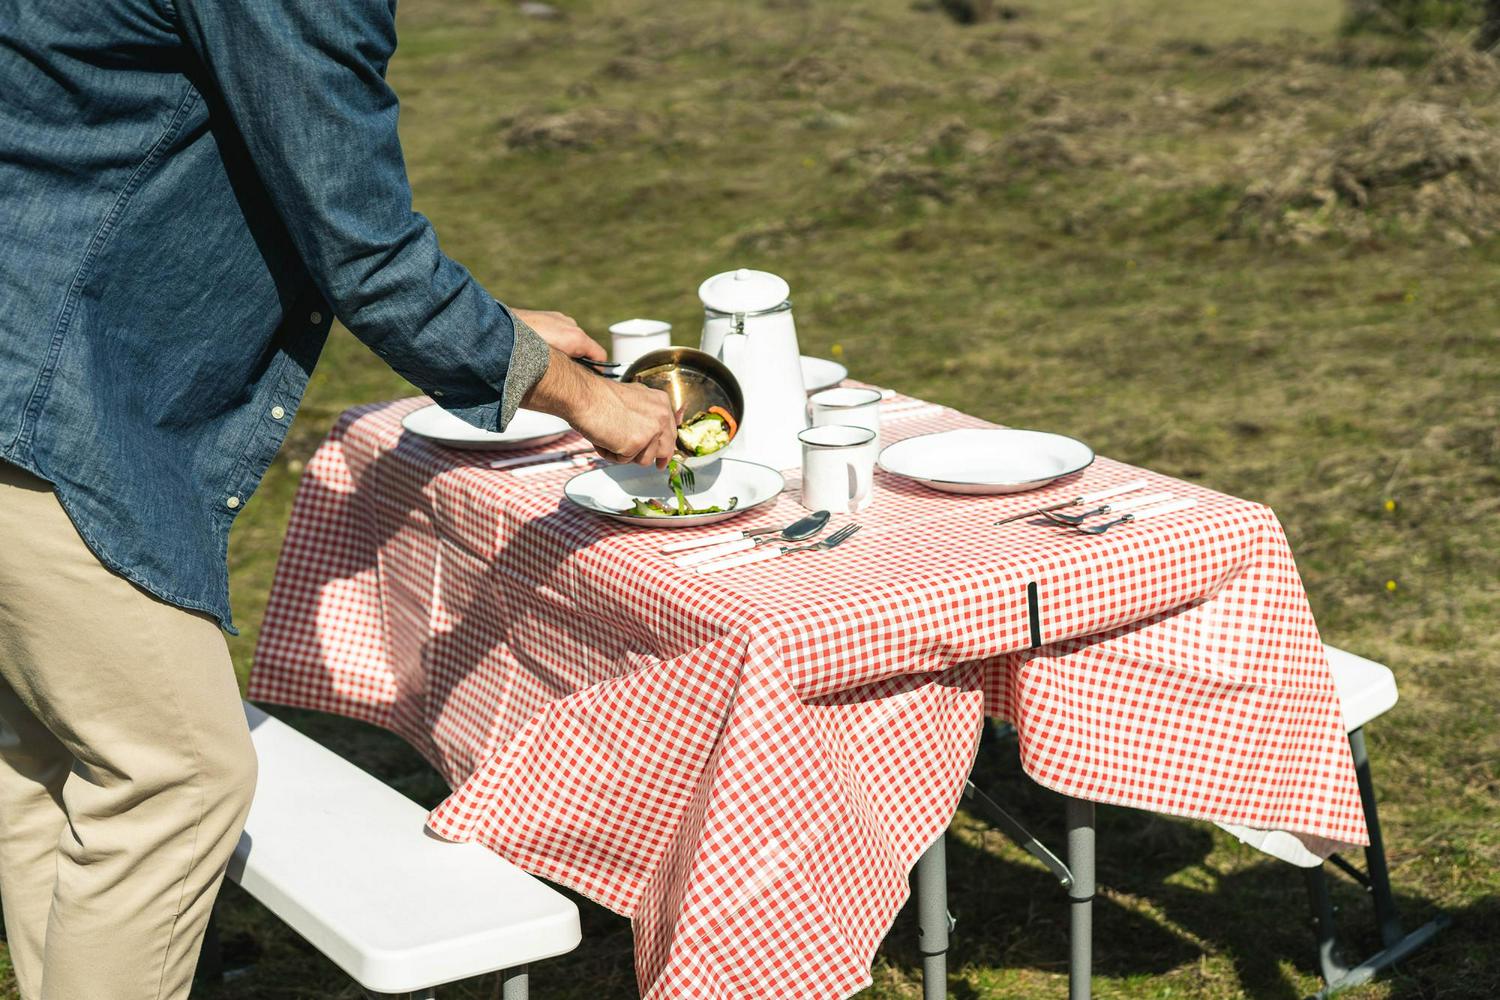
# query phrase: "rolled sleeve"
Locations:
[[302, 82], [529, 357]]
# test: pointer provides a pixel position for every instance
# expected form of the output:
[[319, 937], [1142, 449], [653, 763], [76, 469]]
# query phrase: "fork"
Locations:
[[685, 476], [1166, 508], [1119, 507], [776, 551]]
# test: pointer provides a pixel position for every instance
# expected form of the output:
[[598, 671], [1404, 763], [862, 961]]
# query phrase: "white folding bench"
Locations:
[[1366, 690], [346, 861]]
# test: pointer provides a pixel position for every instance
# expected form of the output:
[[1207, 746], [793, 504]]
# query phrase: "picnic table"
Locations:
[[748, 764]]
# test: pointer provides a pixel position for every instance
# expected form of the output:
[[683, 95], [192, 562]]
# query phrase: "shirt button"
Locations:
[[277, 413], [232, 502], [315, 318]]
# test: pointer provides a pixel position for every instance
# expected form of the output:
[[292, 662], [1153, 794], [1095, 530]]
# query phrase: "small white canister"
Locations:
[[632, 338]]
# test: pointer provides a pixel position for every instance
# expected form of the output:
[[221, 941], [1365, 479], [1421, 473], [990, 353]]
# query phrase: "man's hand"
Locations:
[[563, 333], [625, 421]]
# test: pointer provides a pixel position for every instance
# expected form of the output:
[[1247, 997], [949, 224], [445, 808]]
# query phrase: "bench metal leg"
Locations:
[[514, 984], [1377, 878], [1329, 965], [1080, 820], [1380, 876], [933, 922], [1338, 976]]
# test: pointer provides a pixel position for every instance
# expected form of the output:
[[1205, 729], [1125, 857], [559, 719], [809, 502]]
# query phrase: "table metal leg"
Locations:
[[931, 878], [1080, 818], [514, 984]]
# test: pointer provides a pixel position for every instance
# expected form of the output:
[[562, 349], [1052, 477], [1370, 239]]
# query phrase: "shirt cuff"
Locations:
[[529, 358]]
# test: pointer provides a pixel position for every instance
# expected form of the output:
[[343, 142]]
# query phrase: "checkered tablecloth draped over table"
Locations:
[[748, 764]]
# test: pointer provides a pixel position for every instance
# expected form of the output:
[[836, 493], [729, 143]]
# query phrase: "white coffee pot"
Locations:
[[747, 324]]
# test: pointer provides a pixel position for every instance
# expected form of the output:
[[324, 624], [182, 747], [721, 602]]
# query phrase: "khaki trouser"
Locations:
[[126, 767]]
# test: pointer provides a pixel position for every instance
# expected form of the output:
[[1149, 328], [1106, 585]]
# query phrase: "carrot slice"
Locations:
[[728, 419]]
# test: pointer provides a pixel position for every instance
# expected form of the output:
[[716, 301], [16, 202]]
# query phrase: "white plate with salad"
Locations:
[[647, 496]]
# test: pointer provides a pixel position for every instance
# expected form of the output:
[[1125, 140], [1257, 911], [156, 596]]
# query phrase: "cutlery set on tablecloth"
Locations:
[[715, 552], [1131, 509], [710, 553]]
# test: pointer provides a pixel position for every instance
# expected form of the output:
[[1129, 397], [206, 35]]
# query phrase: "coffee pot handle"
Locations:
[[733, 344]]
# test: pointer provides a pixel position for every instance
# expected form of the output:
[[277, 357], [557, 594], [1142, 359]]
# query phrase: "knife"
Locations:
[[546, 456]]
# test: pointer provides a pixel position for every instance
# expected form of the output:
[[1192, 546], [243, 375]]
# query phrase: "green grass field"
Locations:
[[1041, 221]]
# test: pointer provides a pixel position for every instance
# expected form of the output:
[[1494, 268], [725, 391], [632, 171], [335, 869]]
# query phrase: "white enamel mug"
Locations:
[[632, 338], [838, 467], [847, 405]]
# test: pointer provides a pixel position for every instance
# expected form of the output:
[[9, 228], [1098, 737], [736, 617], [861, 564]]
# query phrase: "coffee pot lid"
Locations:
[[744, 291]]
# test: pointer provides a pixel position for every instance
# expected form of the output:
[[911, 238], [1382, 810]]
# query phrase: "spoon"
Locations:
[[699, 541], [798, 531]]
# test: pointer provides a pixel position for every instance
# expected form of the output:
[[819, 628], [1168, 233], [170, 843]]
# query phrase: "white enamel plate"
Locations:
[[984, 460], [527, 429], [612, 490], [820, 373]]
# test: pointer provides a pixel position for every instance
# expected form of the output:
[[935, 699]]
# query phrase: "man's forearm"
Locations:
[[563, 388]]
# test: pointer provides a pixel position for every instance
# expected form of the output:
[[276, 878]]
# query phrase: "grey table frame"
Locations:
[[935, 924]]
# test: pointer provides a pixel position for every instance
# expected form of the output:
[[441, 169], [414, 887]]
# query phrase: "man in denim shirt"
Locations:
[[190, 192]]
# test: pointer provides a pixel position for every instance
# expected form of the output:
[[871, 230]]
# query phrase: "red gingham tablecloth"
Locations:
[[749, 763]]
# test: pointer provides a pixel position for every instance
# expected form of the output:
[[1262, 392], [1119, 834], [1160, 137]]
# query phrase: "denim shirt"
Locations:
[[190, 192]]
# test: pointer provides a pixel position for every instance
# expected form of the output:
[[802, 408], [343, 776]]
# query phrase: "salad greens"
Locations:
[[653, 507]]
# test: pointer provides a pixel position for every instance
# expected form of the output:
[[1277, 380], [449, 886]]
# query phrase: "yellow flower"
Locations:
[[1390, 506], [837, 350], [1390, 585], [1409, 298], [1210, 310]]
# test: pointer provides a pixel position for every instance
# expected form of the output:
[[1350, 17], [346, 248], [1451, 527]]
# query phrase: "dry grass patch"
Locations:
[[1415, 167], [579, 128], [1461, 66]]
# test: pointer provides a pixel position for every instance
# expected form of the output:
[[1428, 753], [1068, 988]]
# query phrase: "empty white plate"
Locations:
[[986, 460], [612, 490], [527, 429], [820, 373]]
